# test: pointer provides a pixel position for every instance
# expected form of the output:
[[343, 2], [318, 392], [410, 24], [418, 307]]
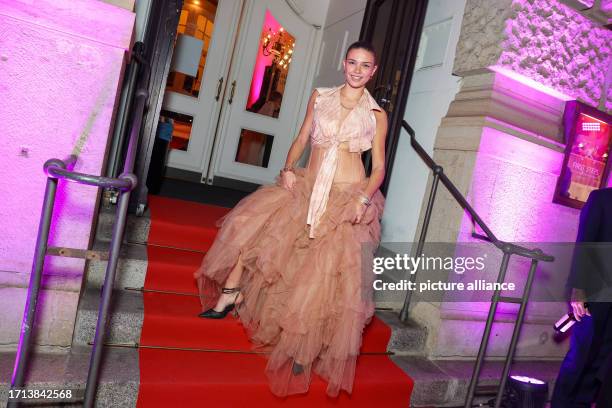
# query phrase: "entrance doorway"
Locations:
[[235, 100], [234, 87], [394, 28]]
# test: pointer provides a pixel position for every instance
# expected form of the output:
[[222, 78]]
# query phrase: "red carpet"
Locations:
[[193, 378]]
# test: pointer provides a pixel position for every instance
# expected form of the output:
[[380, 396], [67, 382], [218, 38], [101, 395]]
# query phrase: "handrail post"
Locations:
[[515, 333], [29, 314], [118, 230], [123, 112], [423, 235], [487, 331], [103, 312], [508, 249], [56, 169]]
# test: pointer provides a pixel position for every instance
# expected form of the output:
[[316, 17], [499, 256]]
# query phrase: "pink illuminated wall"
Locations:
[[512, 189], [58, 91], [61, 64]]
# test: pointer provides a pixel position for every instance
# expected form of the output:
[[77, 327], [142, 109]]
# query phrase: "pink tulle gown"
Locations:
[[307, 298]]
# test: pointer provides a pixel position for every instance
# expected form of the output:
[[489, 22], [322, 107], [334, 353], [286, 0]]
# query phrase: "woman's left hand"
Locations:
[[360, 209]]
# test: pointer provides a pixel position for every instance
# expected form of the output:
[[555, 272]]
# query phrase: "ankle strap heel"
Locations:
[[213, 314]]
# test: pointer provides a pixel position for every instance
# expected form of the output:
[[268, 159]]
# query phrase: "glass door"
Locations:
[[265, 89], [197, 79]]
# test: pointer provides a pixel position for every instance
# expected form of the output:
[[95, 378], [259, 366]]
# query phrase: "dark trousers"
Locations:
[[586, 363], [157, 166]]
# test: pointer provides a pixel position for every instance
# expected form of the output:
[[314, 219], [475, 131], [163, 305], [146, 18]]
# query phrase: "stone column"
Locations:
[[502, 145]]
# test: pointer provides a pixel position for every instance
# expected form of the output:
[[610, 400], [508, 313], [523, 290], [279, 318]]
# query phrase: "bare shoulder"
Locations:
[[380, 115], [313, 99]]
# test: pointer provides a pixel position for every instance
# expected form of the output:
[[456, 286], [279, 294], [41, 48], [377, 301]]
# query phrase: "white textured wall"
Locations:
[[313, 11], [544, 40], [556, 46], [342, 26], [433, 88]]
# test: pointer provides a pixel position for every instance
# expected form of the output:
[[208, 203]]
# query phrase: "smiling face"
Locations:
[[359, 67]]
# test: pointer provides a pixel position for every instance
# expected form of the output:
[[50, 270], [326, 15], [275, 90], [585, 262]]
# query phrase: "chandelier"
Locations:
[[278, 44]]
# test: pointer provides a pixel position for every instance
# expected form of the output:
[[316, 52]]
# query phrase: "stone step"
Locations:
[[127, 313], [126, 316], [406, 338], [444, 383], [441, 383], [118, 381], [136, 228], [131, 268]]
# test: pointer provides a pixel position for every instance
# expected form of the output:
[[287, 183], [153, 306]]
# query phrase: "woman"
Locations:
[[289, 256]]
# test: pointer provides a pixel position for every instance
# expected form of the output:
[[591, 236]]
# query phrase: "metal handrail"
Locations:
[[122, 183], [57, 169], [124, 111], [439, 176], [516, 249], [508, 249]]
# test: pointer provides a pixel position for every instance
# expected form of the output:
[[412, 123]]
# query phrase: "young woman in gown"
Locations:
[[289, 256]]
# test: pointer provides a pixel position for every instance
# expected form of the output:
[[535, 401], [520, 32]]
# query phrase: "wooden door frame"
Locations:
[[414, 19]]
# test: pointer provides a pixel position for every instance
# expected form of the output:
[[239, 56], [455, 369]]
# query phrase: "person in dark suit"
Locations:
[[587, 362]]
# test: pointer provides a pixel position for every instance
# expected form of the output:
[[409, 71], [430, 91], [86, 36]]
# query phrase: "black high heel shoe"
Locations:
[[213, 314]]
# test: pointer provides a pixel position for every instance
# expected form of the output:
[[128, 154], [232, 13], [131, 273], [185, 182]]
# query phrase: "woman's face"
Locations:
[[359, 67]]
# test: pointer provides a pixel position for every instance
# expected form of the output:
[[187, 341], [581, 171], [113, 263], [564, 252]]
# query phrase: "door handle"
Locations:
[[219, 85], [231, 98]]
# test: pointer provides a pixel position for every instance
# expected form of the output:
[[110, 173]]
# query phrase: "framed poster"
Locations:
[[586, 164]]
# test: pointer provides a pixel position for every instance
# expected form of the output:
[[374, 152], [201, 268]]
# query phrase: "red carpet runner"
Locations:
[[178, 378]]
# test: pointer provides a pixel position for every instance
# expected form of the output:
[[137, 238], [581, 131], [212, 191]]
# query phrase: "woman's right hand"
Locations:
[[288, 180]]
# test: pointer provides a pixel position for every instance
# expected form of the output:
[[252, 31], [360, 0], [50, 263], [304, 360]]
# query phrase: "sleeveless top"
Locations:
[[358, 129]]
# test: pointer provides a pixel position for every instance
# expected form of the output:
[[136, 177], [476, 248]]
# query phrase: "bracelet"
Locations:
[[286, 168], [365, 200]]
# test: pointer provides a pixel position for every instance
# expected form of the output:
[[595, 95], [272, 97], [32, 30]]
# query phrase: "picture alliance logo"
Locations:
[[459, 264]]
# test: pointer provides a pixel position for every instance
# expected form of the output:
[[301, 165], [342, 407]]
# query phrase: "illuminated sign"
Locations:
[[586, 166]]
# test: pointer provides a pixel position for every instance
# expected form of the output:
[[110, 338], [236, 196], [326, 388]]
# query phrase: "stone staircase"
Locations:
[[67, 370], [437, 383]]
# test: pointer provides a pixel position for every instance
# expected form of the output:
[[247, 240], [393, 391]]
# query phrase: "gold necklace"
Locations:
[[344, 106], [347, 108]]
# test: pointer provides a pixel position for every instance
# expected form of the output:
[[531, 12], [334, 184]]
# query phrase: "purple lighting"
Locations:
[[531, 83], [61, 64], [558, 47]]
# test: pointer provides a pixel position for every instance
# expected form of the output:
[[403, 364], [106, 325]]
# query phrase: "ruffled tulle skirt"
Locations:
[[306, 300]]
